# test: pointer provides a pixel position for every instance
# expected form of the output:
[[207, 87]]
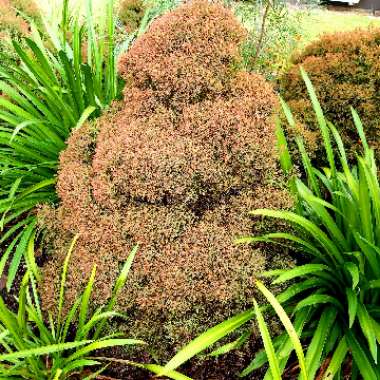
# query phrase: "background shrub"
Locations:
[[12, 12], [13, 24], [274, 32], [173, 167], [344, 69], [9, 20], [131, 13]]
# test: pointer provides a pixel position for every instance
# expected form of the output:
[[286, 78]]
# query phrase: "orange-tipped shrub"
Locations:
[[345, 71], [175, 172]]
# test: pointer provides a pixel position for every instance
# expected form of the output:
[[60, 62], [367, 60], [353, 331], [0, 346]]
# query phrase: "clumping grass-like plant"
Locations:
[[221, 330], [333, 296], [31, 348], [67, 74], [337, 228]]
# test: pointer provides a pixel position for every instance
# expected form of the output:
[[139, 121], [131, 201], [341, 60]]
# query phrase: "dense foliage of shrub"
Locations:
[[137, 17], [344, 69], [173, 167], [332, 295]]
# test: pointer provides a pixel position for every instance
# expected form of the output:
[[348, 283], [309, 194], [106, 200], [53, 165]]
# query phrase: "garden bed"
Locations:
[[165, 213]]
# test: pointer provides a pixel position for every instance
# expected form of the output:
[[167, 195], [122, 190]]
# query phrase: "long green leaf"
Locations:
[[288, 327], [45, 350], [268, 344]]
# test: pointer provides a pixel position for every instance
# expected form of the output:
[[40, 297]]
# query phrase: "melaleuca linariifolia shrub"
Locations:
[[344, 69], [173, 167]]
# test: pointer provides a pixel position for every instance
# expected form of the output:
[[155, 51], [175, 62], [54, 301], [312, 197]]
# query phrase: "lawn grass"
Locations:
[[320, 21], [52, 9], [313, 22]]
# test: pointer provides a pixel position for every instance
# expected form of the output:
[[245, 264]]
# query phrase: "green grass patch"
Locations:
[[316, 22]]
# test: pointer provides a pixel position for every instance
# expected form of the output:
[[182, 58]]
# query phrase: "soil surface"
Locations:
[[226, 367]]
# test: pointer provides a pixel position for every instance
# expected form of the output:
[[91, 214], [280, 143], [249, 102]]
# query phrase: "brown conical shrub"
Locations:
[[345, 71], [175, 167]]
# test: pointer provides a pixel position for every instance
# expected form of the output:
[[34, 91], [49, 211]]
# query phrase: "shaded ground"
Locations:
[[10, 297], [227, 367]]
